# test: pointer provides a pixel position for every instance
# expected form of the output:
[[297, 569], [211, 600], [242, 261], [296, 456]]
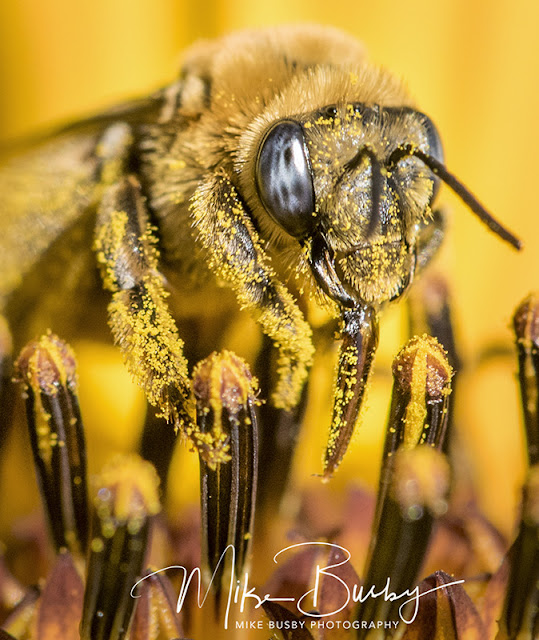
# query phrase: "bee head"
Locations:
[[355, 186]]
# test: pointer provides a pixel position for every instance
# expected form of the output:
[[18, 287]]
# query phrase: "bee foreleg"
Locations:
[[237, 256], [141, 323], [430, 238]]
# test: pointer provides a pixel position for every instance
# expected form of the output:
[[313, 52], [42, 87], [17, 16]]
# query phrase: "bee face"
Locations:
[[329, 178]]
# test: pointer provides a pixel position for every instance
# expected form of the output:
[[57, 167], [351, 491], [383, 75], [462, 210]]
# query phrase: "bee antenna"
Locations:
[[376, 184], [455, 185]]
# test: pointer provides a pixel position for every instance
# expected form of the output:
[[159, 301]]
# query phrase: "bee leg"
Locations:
[[125, 246], [430, 238], [237, 256]]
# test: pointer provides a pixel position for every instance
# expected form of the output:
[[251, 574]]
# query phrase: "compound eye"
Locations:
[[435, 149], [433, 139], [284, 180]]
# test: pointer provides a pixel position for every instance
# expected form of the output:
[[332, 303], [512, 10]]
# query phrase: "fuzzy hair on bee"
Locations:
[[280, 165]]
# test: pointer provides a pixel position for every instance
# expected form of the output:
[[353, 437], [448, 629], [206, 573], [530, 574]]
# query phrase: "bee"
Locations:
[[281, 165]]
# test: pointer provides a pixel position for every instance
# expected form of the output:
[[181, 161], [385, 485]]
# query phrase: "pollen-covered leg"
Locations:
[[237, 256], [140, 320]]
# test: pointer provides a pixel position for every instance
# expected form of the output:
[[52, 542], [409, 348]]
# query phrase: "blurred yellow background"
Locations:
[[472, 65]]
